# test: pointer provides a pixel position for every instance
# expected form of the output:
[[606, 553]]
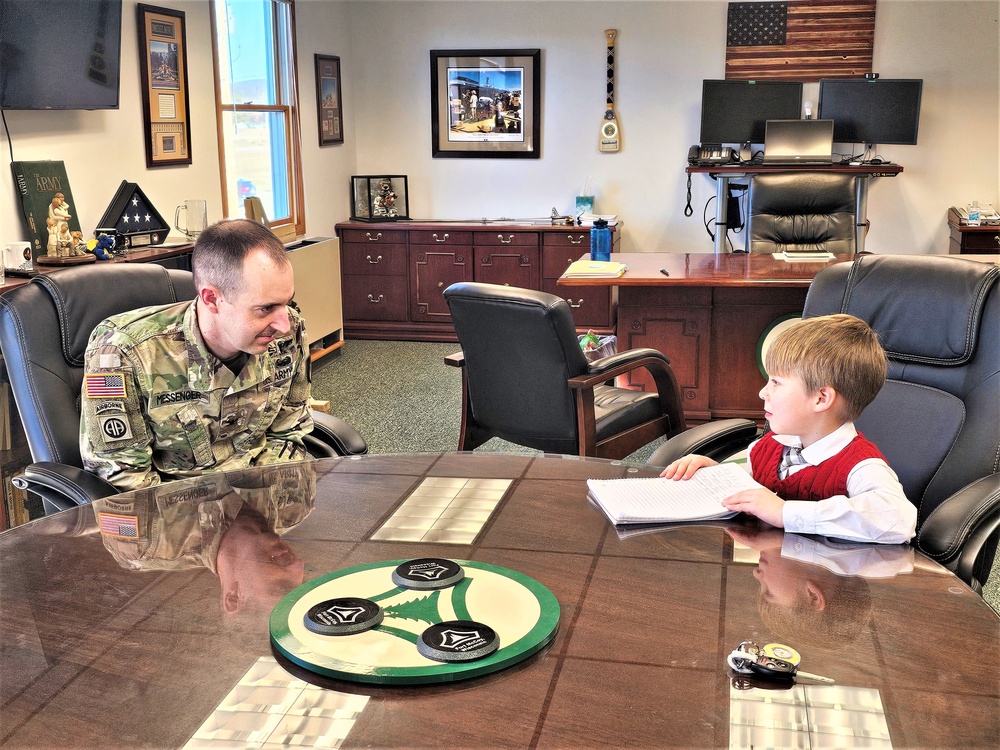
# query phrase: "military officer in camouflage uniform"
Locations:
[[217, 383]]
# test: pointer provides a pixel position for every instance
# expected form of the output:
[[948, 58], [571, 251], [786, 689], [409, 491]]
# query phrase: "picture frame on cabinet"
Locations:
[[163, 69], [329, 100], [486, 103]]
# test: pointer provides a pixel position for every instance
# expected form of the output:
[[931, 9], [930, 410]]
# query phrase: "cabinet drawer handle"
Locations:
[[577, 241], [577, 306], [997, 238], [443, 239], [375, 300], [440, 284], [376, 238], [505, 241], [373, 262], [569, 260]]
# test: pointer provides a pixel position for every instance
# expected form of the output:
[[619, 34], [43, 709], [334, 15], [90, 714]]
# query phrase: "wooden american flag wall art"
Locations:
[[800, 40]]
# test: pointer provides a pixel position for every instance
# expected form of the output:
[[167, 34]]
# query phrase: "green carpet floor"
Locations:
[[403, 398]]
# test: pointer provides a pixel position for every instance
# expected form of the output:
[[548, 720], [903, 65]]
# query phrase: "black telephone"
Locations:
[[707, 156]]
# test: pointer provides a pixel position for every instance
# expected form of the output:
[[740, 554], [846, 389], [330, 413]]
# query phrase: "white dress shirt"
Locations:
[[875, 508]]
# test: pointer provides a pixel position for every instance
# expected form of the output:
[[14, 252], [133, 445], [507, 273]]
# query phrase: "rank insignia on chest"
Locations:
[[104, 385]]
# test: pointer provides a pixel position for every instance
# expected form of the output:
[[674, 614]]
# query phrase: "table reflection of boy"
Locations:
[[228, 523], [813, 591]]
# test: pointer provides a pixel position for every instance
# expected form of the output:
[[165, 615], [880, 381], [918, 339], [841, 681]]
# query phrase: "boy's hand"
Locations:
[[685, 467], [761, 503]]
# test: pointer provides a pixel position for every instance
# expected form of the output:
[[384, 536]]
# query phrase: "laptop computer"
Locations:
[[798, 142]]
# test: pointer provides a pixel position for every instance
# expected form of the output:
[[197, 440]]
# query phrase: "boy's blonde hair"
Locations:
[[839, 351]]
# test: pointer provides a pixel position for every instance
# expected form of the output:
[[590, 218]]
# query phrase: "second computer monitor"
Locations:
[[871, 111], [736, 111]]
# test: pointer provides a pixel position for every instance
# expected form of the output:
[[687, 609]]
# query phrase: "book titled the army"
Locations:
[[48, 207]]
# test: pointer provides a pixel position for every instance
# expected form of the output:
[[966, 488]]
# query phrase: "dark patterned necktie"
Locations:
[[792, 456]]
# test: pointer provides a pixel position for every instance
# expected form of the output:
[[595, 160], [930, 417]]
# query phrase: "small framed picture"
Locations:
[[329, 101], [486, 103]]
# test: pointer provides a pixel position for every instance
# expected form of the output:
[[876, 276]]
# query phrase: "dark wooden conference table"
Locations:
[[112, 643]]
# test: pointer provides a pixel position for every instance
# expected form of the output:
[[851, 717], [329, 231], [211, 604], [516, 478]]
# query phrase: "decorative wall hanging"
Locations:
[[163, 67], [800, 40], [329, 101], [486, 103]]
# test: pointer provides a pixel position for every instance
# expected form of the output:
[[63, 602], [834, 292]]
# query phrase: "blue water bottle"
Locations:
[[600, 240]]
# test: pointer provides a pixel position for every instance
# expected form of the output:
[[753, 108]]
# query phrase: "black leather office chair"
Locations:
[[805, 211], [44, 328], [526, 380], [937, 420]]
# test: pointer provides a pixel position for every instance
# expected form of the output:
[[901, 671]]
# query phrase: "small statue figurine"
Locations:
[[385, 202]]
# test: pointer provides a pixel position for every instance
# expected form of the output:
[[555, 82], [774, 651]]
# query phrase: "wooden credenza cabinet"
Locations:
[[394, 274]]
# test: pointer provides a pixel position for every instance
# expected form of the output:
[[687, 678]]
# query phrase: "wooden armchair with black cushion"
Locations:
[[526, 380], [44, 329]]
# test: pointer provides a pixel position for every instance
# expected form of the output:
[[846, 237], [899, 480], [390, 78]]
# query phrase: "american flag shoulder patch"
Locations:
[[113, 524], [104, 385]]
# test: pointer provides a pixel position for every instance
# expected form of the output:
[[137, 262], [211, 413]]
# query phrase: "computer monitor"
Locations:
[[880, 110], [735, 111]]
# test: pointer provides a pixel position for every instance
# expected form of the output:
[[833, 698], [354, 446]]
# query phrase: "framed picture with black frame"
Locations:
[[329, 101], [163, 67], [486, 103]]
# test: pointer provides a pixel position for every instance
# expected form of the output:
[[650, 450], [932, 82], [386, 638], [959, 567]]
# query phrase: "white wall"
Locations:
[[323, 27], [664, 50], [102, 148]]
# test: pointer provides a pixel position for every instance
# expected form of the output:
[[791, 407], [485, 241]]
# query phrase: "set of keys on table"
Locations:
[[774, 661]]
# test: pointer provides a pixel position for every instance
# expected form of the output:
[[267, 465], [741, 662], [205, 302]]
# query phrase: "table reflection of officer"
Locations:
[[229, 523], [812, 589]]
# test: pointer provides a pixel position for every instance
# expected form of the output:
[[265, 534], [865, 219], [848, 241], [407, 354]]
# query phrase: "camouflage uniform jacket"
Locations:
[[157, 404]]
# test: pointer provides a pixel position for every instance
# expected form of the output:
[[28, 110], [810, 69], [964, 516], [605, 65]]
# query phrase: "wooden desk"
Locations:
[[723, 174], [708, 317], [96, 655]]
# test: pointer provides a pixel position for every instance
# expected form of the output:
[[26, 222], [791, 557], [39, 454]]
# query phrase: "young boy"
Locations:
[[823, 372]]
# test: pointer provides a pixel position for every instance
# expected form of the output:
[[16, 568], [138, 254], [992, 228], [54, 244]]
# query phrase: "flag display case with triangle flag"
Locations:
[[132, 219]]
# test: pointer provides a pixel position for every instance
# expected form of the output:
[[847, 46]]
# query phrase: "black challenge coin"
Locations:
[[458, 640], [427, 573], [345, 616]]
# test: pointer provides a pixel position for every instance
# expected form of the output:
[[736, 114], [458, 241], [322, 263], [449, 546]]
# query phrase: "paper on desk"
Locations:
[[659, 500]]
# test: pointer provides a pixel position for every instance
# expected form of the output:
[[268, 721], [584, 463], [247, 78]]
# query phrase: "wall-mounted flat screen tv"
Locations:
[[882, 110], [60, 54], [736, 111]]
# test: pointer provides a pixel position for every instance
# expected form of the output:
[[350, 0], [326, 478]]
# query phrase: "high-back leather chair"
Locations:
[[44, 329], [937, 419], [806, 211], [526, 380]]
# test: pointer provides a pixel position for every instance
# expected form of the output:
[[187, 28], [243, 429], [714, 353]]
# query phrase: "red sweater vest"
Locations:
[[827, 479]]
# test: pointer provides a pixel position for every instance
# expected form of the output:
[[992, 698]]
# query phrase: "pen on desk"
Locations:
[[664, 271]]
